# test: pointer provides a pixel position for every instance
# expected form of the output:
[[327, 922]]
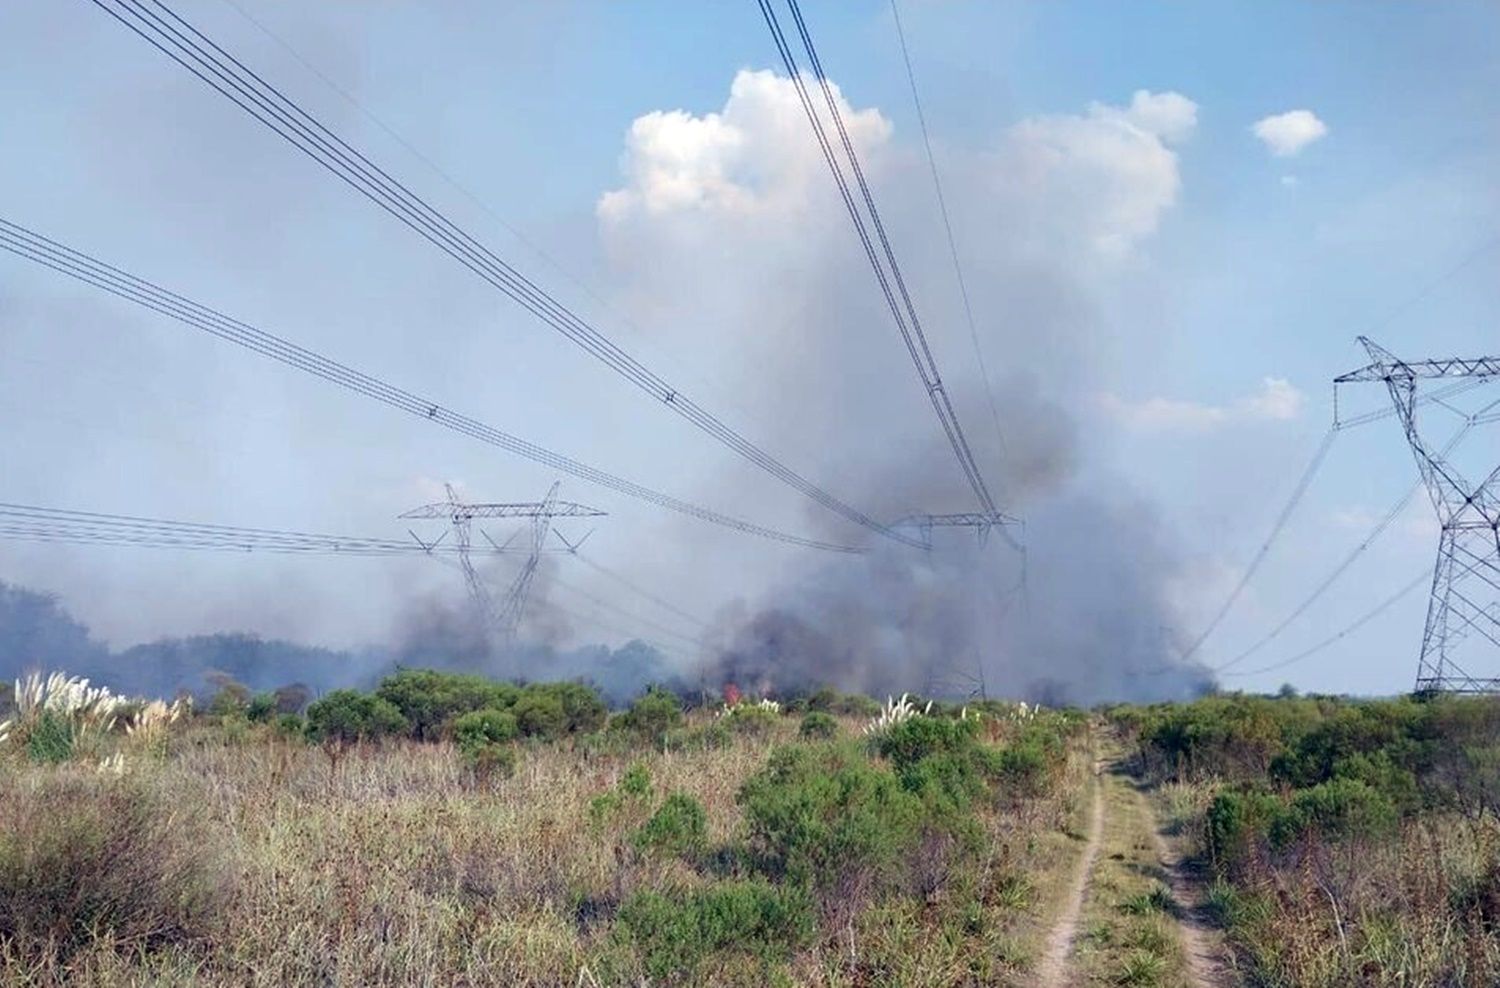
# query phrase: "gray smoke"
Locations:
[[729, 221]]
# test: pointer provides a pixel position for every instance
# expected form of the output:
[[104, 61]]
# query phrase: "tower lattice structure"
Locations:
[[1461, 639], [503, 616]]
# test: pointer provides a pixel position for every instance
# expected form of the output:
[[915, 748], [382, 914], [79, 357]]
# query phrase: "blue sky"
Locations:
[[1244, 266]]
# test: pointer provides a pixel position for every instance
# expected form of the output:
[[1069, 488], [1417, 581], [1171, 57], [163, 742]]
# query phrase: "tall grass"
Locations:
[[239, 854]]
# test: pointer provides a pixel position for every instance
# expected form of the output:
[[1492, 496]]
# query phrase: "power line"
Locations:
[[958, 270], [1343, 567], [76, 264], [223, 72], [1422, 578], [1298, 492], [639, 590], [551, 261], [892, 283], [28, 522]]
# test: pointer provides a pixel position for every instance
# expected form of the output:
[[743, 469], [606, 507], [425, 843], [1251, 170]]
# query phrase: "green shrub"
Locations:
[[583, 710], [636, 781], [1027, 770], [1335, 810], [540, 714], [83, 857], [918, 737], [345, 716], [1237, 823], [429, 699], [232, 699], [261, 708], [678, 829], [676, 935], [484, 727], [827, 816], [750, 721], [651, 715], [818, 726], [290, 726]]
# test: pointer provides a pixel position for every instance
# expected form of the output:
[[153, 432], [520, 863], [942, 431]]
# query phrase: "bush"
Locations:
[[818, 726], [484, 727], [1237, 823], [678, 829], [747, 720], [1334, 810], [89, 856], [652, 715], [291, 726], [829, 818], [261, 708], [540, 714], [583, 711], [232, 699], [918, 737], [345, 716], [429, 699], [675, 936], [636, 781]]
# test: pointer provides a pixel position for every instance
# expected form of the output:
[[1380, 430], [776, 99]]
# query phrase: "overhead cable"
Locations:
[[222, 71], [76, 264], [887, 271]]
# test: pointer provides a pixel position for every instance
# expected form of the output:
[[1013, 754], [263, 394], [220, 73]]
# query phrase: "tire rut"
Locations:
[[1052, 972]]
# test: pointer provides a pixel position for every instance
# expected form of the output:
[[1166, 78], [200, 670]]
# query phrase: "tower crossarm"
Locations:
[[1385, 367], [518, 509]]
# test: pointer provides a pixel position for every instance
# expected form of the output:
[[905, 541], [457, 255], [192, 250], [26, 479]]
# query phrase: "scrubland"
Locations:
[[448, 831], [1343, 843]]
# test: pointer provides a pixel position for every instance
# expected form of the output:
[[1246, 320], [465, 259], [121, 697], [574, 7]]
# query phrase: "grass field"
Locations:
[[445, 830]]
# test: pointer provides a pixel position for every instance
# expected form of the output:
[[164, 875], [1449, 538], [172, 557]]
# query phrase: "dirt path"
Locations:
[[1201, 943], [1053, 970]]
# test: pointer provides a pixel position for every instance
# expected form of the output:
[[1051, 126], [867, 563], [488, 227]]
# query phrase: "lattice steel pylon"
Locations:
[[1463, 611], [504, 617], [950, 678]]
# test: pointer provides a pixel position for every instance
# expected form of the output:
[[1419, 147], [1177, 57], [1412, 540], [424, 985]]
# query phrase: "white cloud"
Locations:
[[1101, 179], [1276, 401], [1107, 175], [1171, 116], [1286, 134], [757, 153]]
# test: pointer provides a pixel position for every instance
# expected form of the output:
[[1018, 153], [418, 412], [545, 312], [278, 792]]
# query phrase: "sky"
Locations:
[[1174, 221]]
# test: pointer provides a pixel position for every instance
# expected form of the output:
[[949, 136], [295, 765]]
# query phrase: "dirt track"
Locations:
[[1052, 972]]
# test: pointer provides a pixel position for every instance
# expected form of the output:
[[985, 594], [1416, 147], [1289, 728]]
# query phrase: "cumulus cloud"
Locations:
[[754, 155], [1278, 400], [1286, 134], [1102, 178]]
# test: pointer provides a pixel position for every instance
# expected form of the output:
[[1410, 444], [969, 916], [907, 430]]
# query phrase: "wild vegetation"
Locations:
[[447, 829], [1347, 842]]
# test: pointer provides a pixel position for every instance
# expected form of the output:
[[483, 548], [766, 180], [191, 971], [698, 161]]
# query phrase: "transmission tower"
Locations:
[[982, 522], [949, 677], [504, 616], [1463, 612]]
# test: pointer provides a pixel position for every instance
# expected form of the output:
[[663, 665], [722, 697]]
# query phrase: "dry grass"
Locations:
[[394, 865]]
